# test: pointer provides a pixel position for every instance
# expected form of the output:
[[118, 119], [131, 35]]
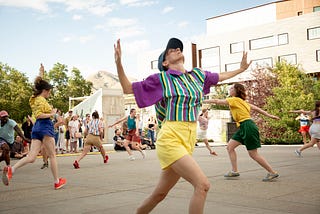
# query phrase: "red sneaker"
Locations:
[[7, 175], [76, 164], [106, 159], [62, 182]]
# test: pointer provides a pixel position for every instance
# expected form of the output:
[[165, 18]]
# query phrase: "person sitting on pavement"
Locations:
[[17, 149], [118, 141], [146, 141]]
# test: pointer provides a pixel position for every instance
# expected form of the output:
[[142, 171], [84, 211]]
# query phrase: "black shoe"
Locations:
[[45, 165]]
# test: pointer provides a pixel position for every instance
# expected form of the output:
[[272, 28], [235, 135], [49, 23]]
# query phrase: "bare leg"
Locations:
[[32, 155], [308, 145], [187, 168], [260, 160], [48, 143], [44, 155], [232, 145], [209, 147], [85, 151], [126, 146], [102, 152], [304, 137]]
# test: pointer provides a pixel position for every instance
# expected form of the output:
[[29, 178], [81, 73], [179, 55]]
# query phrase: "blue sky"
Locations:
[[81, 33]]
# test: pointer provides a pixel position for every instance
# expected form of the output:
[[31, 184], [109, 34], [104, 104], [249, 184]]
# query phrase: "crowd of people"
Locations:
[[172, 132]]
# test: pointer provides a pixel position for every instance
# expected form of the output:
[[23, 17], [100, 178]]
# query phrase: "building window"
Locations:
[[210, 59], [300, 13], [270, 41], [316, 8], [261, 63], [318, 55], [232, 66], [290, 58], [236, 47], [313, 33], [283, 39], [154, 64]]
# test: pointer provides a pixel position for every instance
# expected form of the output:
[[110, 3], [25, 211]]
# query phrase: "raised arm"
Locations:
[[261, 111], [216, 101], [118, 121], [243, 66], [124, 81]]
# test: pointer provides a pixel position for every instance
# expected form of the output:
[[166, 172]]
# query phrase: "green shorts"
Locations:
[[248, 135]]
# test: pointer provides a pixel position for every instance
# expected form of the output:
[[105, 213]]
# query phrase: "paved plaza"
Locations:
[[120, 186]]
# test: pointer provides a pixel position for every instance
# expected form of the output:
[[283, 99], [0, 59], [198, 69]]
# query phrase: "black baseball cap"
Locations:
[[173, 43]]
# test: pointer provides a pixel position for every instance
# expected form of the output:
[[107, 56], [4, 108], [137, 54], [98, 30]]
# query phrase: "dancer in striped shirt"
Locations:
[[94, 134], [177, 95]]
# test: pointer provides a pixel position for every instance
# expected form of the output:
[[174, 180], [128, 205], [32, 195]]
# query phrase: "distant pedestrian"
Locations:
[[314, 130], [203, 120]]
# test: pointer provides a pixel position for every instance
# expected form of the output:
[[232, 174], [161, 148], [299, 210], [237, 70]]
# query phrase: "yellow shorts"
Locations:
[[175, 140]]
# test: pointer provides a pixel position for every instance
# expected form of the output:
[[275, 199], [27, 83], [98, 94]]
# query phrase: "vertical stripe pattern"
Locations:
[[182, 96]]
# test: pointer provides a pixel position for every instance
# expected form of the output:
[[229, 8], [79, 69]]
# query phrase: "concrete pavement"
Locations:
[[121, 185]]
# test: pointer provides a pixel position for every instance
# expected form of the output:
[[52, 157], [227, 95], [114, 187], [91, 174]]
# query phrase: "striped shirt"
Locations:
[[177, 96], [94, 127]]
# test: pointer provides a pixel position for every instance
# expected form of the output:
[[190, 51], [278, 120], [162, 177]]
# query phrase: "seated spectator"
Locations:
[[17, 149], [118, 141], [146, 142]]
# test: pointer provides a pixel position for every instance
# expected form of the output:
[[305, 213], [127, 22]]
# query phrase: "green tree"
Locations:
[[294, 91], [65, 87], [15, 92], [58, 77]]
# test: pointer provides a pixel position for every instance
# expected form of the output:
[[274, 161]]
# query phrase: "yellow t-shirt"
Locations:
[[39, 105], [239, 108]]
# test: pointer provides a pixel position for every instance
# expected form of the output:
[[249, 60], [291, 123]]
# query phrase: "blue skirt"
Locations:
[[41, 128]]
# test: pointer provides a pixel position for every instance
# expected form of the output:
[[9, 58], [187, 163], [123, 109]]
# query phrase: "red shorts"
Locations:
[[304, 129], [132, 136]]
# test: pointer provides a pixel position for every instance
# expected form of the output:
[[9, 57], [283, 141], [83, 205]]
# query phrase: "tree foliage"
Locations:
[[16, 89], [281, 89], [15, 92], [295, 91]]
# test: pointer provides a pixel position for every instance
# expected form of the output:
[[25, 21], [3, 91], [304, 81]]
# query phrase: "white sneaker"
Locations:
[[131, 157], [298, 153], [143, 153]]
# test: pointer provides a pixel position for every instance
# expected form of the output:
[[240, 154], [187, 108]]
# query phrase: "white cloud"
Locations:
[[118, 22], [135, 47], [167, 10], [138, 3], [80, 39], [96, 7], [128, 32], [122, 28], [76, 17], [40, 5], [66, 39], [85, 39], [183, 24]]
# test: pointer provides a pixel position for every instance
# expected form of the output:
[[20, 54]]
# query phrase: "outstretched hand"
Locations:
[[117, 52], [244, 62]]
